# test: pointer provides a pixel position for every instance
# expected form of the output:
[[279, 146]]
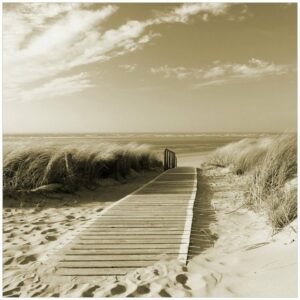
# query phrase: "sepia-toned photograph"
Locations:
[[149, 149]]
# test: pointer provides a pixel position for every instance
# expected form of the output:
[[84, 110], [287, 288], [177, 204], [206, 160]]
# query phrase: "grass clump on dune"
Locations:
[[271, 165], [241, 156], [274, 183], [33, 166]]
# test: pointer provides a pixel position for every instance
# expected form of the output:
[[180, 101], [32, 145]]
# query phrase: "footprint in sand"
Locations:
[[143, 289], [49, 230], [7, 260], [25, 259], [15, 292], [30, 230], [51, 238], [12, 235], [164, 293], [90, 291], [70, 217], [37, 290], [117, 290]]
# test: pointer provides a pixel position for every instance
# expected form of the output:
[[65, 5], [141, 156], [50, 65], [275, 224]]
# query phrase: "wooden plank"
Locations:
[[127, 240], [126, 246], [154, 219], [93, 272], [118, 257], [117, 251], [154, 216], [102, 228], [105, 264], [132, 231], [143, 208], [150, 222], [83, 241], [130, 236], [142, 213]]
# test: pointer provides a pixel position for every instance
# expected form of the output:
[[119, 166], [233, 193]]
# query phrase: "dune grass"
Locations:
[[32, 166], [242, 156], [271, 165]]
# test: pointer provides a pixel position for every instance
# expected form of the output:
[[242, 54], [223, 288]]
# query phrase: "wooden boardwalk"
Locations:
[[137, 230]]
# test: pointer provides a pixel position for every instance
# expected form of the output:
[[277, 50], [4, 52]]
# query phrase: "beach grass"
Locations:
[[271, 165], [34, 166]]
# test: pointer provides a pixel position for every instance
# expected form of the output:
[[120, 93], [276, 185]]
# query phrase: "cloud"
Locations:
[[128, 68], [168, 72], [221, 73], [42, 41], [60, 86], [32, 54], [183, 13]]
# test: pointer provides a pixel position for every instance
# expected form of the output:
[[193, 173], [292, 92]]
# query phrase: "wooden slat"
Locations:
[[126, 246], [119, 257], [100, 236], [132, 231], [127, 240], [93, 272], [161, 227], [106, 264], [110, 252]]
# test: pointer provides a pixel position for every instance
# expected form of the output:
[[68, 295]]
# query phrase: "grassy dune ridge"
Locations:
[[271, 167], [35, 166]]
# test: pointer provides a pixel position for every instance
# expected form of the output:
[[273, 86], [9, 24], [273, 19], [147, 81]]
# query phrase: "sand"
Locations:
[[32, 234], [247, 259]]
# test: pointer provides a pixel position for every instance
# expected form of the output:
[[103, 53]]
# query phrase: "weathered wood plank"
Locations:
[[132, 231], [100, 236], [162, 227], [118, 257], [127, 240], [126, 246], [105, 264], [133, 242], [145, 251], [93, 272]]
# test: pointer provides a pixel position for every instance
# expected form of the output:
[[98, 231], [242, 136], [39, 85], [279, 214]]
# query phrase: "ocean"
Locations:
[[181, 143]]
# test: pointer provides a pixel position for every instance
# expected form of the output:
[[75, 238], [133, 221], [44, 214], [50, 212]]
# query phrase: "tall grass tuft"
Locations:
[[270, 179], [241, 156], [271, 165], [31, 166]]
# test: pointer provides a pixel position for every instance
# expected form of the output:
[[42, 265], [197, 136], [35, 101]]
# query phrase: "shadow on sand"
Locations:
[[204, 214]]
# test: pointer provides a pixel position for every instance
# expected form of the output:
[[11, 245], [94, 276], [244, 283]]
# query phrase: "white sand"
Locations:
[[247, 260]]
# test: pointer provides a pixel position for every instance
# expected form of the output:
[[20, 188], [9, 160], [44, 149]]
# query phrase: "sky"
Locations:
[[144, 67]]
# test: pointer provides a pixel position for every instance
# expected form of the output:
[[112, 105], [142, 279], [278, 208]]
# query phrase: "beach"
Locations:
[[247, 258], [140, 159]]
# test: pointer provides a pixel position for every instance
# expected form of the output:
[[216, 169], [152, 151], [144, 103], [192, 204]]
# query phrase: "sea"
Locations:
[[181, 143]]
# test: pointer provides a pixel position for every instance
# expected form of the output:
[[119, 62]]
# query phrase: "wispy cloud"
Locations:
[[128, 68], [42, 41], [35, 52], [182, 14], [60, 86], [221, 73]]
